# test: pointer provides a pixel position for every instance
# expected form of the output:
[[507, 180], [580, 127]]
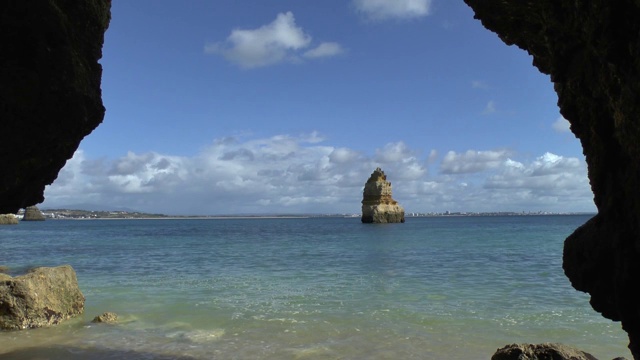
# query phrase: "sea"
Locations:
[[309, 288]]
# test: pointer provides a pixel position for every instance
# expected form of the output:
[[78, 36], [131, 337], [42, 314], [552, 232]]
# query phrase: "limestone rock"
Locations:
[[50, 96], [44, 296], [377, 204], [8, 219], [107, 317], [591, 50], [545, 351], [32, 213]]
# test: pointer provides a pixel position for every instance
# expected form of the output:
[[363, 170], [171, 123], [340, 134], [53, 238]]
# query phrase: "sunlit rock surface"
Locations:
[[377, 204], [50, 96], [591, 50], [32, 213], [8, 219], [43, 297]]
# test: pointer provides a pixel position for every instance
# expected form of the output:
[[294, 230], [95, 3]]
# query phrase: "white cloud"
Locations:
[[472, 161], [393, 9], [477, 84], [280, 41], [291, 174], [550, 179], [561, 125], [490, 108], [326, 49]]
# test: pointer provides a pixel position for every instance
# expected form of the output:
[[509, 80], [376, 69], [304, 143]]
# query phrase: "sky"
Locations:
[[273, 107]]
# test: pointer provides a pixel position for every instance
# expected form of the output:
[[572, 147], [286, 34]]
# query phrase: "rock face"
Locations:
[[42, 297], [592, 52], [32, 213], [8, 219], [50, 95], [377, 204], [107, 318], [540, 352]]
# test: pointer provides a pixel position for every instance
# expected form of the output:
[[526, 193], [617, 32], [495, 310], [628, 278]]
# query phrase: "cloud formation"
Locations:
[[326, 49], [303, 174], [279, 41], [472, 161], [490, 108], [393, 9], [561, 125]]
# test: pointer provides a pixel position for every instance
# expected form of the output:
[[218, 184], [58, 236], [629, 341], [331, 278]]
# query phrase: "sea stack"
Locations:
[[377, 204], [32, 213]]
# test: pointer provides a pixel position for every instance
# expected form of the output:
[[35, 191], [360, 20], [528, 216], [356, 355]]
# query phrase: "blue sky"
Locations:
[[253, 106]]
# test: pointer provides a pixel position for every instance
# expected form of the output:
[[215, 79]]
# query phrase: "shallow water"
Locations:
[[318, 288]]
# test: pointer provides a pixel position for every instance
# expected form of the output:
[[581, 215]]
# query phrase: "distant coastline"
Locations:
[[71, 214]]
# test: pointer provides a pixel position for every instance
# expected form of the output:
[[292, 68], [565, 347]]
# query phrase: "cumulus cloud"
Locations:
[[303, 174], [279, 41], [326, 49], [393, 9], [472, 161], [561, 125], [550, 179]]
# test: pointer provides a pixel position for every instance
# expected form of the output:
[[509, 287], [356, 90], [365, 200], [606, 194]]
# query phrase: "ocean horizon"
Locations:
[[456, 287]]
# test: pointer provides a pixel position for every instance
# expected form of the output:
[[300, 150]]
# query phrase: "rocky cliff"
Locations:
[[50, 95], [377, 204], [591, 50]]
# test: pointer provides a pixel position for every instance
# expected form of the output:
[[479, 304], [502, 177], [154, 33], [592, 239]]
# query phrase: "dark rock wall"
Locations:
[[50, 95], [591, 50]]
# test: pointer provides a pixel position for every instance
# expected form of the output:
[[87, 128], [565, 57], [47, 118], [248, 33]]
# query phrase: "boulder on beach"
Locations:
[[377, 204], [43, 297], [546, 351], [107, 318], [32, 213]]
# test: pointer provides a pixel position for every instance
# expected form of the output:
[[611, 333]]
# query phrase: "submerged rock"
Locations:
[[107, 317], [377, 204], [32, 213], [43, 297], [8, 219], [546, 351]]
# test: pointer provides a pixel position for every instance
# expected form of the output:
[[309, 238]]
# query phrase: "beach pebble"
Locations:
[[107, 317]]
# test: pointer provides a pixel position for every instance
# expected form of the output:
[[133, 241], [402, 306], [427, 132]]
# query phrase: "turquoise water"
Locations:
[[316, 288]]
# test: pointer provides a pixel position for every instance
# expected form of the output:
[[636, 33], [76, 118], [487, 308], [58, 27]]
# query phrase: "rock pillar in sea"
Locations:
[[377, 204], [32, 213]]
